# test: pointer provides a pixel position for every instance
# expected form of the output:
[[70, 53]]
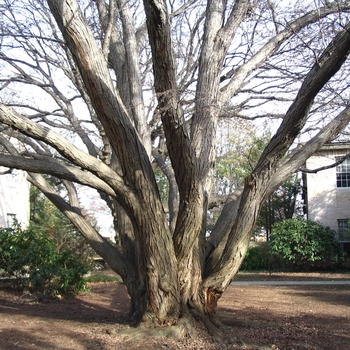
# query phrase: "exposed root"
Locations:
[[193, 328], [183, 328], [192, 323], [214, 327]]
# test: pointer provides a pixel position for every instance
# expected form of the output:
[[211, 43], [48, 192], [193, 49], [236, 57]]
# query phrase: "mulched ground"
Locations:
[[256, 317]]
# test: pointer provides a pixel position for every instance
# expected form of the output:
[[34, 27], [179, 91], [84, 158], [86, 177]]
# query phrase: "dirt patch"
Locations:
[[257, 317]]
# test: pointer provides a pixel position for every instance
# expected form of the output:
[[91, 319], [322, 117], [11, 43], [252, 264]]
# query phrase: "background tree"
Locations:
[[117, 90], [284, 203], [45, 217], [239, 150]]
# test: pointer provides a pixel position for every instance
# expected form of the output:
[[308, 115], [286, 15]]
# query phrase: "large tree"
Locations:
[[118, 90]]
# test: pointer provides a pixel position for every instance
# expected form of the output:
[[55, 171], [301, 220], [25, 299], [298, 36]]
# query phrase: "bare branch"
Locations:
[[74, 154], [330, 166], [272, 45], [55, 168], [99, 243]]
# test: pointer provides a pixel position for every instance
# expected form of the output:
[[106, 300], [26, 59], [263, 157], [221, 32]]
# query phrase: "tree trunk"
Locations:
[[170, 270]]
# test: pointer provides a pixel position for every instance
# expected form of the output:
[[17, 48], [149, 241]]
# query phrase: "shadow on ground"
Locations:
[[258, 317]]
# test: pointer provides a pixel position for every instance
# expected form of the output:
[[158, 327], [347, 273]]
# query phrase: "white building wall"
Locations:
[[14, 197], [327, 203]]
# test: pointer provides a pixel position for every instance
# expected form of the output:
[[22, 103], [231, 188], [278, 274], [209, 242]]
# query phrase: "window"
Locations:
[[343, 174], [12, 178], [11, 220], [344, 230]]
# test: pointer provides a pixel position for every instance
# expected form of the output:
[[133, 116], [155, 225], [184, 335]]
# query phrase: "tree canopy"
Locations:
[[106, 94]]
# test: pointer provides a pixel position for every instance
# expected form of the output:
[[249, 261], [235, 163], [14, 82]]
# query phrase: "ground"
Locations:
[[256, 317]]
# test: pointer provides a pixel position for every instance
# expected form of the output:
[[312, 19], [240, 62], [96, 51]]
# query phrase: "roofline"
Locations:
[[336, 146]]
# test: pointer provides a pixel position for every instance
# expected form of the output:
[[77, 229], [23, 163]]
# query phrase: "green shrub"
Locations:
[[254, 260], [31, 258], [260, 257], [45, 217], [305, 243]]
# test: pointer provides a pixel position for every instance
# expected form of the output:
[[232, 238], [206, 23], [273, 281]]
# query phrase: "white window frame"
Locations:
[[10, 220], [343, 174], [344, 230]]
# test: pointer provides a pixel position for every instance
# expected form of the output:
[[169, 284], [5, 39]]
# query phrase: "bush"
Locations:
[[31, 258], [260, 257], [305, 243], [45, 217], [255, 260]]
